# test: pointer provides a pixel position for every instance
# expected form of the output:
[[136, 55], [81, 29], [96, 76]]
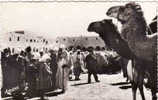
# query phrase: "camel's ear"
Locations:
[[107, 21]]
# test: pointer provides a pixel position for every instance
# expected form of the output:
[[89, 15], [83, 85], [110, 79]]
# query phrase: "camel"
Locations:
[[134, 29], [109, 33]]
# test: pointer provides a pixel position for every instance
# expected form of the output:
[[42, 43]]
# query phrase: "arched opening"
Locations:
[[36, 50], [13, 50], [10, 39], [18, 38], [30, 40]]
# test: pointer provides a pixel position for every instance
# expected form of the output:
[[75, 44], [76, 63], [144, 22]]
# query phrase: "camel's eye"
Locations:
[[122, 9], [107, 21]]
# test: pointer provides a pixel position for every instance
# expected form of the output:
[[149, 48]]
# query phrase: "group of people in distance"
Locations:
[[29, 74]]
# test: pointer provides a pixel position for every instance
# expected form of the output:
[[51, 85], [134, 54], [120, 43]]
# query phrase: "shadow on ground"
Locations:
[[120, 83], [125, 87], [47, 94], [50, 94], [78, 84]]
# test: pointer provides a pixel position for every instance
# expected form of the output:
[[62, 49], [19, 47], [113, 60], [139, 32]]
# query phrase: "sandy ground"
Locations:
[[111, 87]]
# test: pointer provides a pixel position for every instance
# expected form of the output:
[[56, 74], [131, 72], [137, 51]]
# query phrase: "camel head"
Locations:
[[123, 13], [101, 27]]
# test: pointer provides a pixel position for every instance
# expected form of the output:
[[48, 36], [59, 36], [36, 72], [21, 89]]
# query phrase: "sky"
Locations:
[[54, 19]]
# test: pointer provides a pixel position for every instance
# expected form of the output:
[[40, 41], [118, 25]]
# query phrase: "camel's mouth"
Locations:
[[90, 28]]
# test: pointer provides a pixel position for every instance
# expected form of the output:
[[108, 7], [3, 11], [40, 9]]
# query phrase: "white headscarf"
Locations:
[[62, 46], [36, 56], [18, 50], [44, 58]]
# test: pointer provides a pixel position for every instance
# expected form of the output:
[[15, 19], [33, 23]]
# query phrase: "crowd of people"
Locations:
[[32, 74]]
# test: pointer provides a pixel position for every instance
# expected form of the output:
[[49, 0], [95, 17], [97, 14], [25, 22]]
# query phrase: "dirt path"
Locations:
[[111, 87]]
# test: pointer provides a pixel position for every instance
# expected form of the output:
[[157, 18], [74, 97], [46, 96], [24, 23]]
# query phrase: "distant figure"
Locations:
[[62, 75], [44, 74], [77, 64], [30, 72], [53, 66], [91, 64], [71, 67], [5, 68], [12, 70]]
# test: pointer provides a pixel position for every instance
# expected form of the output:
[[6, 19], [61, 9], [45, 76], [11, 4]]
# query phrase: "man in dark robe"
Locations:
[[30, 73], [53, 66], [91, 64]]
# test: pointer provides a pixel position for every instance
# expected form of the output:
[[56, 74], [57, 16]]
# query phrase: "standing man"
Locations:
[[77, 65], [53, 66], [30, 72], [64, 63], [91, 64]]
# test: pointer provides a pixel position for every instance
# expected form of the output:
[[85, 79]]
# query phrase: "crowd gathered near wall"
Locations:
[[33, 74]]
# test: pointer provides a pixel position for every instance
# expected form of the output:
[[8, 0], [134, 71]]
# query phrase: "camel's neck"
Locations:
[[134, 33], [134, 30], [113, 40]]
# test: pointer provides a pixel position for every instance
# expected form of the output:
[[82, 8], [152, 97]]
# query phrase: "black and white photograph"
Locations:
[[78, 50]]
